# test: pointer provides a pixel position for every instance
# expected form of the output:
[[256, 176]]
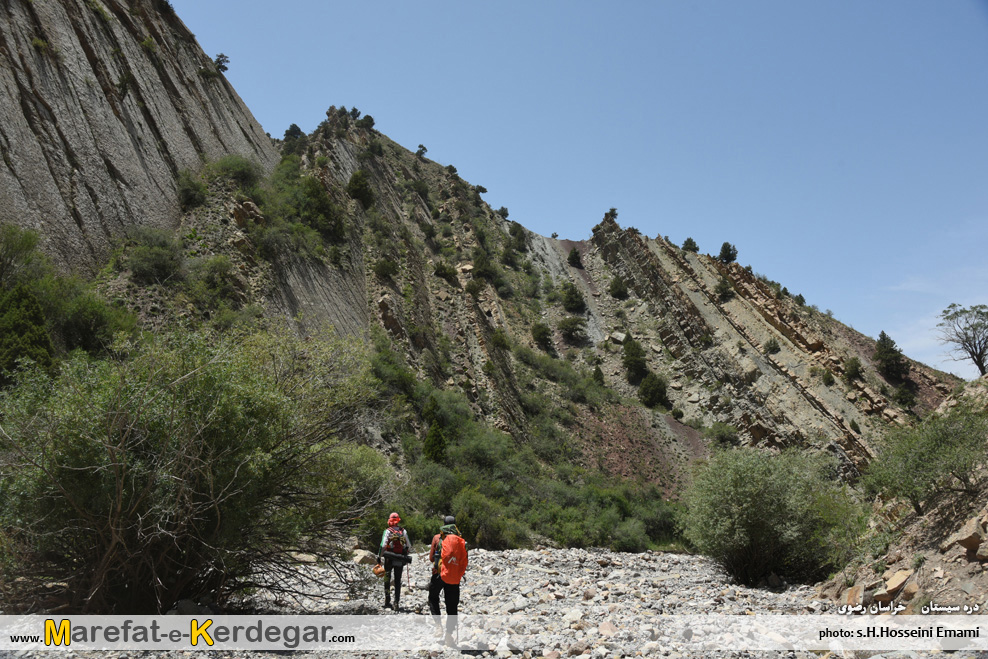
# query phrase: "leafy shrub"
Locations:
[[652, 390], [212, 282], [618, 289], [827, 378], [156, 258], [915, 463], [445, 271], [385, 268], [88, 322], [19, 259], [633, 360], [852, 370], [573, 330], [722, 433], [191, 190], [499, 339], [772, 346], [542, 336], [360, 189], [756, 513], [23, 334], [180, 468], [238, 169], [474, 287], [724, 290]]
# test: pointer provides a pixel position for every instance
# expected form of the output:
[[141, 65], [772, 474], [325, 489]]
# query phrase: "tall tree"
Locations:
[[888, 358], [728, 253], [967, 329]]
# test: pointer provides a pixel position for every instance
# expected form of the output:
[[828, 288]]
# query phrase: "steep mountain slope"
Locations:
[[102, 103], [105, 103]]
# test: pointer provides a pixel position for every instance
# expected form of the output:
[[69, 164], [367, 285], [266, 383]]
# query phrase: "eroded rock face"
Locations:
[[102, 102]]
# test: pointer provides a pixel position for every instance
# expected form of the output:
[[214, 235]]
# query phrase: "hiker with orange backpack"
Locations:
[[448, 555], [395, 548]]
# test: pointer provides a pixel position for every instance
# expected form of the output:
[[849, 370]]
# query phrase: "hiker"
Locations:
[[448, 555], [395, 548]]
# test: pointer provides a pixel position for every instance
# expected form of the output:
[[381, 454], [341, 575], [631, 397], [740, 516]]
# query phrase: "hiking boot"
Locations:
[[387, 602], [396, 607]]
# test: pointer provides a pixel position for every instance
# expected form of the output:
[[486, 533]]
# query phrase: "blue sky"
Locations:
[[841, 146]]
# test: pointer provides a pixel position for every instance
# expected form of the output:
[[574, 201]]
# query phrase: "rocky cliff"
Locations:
[[102, 103]]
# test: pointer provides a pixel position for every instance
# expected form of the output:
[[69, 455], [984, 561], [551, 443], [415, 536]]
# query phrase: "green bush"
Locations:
[[689, 245], [721, 432], [156, 257], [542, 336], [360, 189], [724, 290], [445, 271], [618, 289], [23, 333], [572, 298], [757, 513], [574, 258], [852, 370], [652, 390], [772, 346], [191, 190], [385, 268], [633, 360], [212, 282], [917, 462], [573, 329], [245, 173], [179, 468]]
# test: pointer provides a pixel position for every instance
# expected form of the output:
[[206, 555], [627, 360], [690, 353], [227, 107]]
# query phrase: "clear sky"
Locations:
[[841, 146]]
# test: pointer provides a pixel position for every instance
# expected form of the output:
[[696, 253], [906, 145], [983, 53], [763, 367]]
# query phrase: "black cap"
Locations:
[[449, 520]]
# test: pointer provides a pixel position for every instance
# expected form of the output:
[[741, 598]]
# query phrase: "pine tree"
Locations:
[[888, 358]]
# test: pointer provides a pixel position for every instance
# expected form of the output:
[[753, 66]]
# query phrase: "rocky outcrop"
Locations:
[[102, 102]]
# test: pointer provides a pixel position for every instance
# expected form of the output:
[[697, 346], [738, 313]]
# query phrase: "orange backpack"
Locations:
[[453, 559]]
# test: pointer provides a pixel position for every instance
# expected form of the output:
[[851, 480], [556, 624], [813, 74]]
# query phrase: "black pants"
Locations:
[[451, 593], [397, 567]]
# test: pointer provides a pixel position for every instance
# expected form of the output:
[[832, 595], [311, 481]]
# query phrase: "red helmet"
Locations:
[[393, 519]]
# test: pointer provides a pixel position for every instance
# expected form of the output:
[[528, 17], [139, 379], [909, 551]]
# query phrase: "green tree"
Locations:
[[966, 328], [916, 462], [772, 346], [689, 245], [888, 359], [222, 63], [421, 151], [757, 513], [633, 360], [542, 336], [652, 390], [573, 329], [572, 298], [728, 253], [574, 258]]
